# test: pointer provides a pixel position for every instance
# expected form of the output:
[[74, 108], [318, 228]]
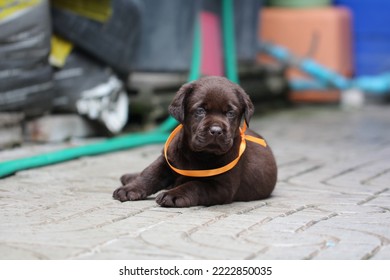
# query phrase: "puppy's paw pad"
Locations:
[[127, 193], [169, 199]]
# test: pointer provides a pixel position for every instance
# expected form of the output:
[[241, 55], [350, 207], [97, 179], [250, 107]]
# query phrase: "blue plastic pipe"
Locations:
[[325, 78]]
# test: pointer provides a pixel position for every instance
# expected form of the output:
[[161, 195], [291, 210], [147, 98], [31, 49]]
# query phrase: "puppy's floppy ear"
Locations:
[[247, 104], [177, 107]]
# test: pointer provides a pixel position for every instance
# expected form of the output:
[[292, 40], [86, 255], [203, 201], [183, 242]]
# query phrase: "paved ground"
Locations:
[[332, 201]]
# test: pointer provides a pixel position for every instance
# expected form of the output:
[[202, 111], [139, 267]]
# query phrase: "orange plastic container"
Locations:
[[322, 34]]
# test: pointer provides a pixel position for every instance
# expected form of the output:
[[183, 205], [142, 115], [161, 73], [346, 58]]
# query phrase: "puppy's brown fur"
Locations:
[[211, 110]]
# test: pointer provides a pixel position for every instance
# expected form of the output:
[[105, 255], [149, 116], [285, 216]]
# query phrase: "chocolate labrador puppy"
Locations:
[[210, 110]]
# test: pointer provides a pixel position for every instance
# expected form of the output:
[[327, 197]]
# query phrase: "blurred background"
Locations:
[[87, 68]]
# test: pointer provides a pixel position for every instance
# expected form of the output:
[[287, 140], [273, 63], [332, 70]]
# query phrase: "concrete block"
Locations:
[[10, 129], [56, 128]]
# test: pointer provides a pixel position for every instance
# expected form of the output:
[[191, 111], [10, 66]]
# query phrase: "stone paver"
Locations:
[[332, 200]]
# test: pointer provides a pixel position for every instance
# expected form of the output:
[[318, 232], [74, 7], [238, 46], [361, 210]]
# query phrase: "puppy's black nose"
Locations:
[[215, 130]]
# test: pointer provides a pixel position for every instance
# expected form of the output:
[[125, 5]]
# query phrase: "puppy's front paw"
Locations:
[[175, 198], [129, 192]]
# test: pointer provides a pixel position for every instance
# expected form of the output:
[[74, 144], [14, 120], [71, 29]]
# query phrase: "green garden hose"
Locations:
[[160, 134], [110, 145], [229, 46]]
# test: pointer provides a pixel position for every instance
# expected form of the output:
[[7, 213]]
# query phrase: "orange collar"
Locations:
[[216, 171]]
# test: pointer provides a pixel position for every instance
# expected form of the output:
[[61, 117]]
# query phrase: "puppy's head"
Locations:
[[211, 110]]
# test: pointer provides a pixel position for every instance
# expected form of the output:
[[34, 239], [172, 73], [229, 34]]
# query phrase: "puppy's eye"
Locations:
[[200, 112], [230, 114]]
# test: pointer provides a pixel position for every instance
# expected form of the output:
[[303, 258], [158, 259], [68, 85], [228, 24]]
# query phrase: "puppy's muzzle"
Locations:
[[213, 138]]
